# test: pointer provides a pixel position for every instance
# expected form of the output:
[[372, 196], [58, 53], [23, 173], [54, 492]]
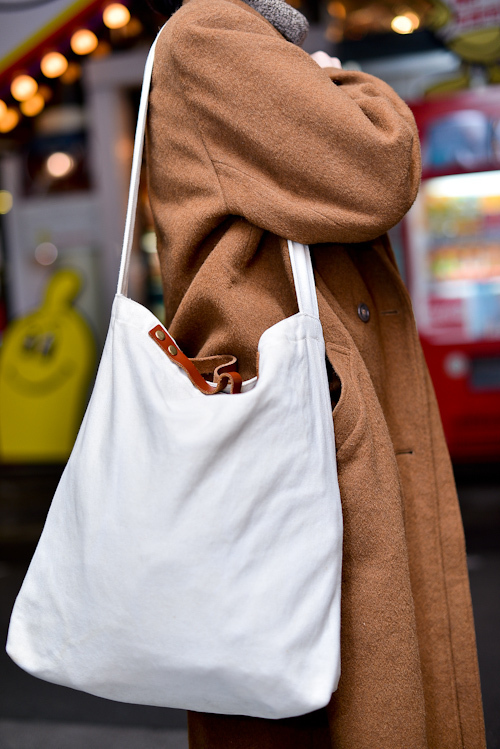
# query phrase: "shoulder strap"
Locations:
[[300, 257], [133, 192]]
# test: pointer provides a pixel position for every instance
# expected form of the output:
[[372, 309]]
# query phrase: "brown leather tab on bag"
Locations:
[[224, 372], [210, 366]]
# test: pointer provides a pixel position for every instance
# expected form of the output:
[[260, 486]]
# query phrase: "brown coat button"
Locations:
[[363, 312]]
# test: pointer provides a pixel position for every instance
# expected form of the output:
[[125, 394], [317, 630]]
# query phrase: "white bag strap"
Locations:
[[300, 256], [303, 276], [133, 192]]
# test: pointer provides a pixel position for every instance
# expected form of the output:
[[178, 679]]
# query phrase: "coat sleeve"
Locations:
[[309, 154]]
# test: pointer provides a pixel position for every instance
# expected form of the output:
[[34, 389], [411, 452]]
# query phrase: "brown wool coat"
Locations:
[[248, 141]]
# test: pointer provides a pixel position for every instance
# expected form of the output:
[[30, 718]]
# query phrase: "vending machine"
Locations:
[[452, 263]]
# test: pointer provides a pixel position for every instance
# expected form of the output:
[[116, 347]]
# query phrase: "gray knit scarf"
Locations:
[[287, 20]]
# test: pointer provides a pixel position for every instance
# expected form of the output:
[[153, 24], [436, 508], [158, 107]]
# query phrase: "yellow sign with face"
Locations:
[[46, 363]]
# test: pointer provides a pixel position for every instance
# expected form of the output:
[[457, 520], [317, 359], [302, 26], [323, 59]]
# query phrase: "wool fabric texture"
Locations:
[[250, 141]]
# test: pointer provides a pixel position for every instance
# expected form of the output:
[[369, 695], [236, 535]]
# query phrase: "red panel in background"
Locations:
[[470, 414]]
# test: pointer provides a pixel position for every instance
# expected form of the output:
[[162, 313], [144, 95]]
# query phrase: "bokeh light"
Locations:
[[115, 16], [103, 49], [23, 87], [46, 253], [83, 42], [3, 108], [6, 201], [46, 92], [415, 20], [336, 9], [33, 106], [9, 120], [134, 27], [53, 64], [60, 164], [72, 74], [402, 25]]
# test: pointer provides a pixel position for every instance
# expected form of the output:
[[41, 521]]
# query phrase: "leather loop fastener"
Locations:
[[222, 377], [215, 365]]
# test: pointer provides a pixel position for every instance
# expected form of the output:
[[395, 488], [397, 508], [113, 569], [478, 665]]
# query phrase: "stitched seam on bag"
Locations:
[[139, 328], [184, 381], [302, 338], [308, 337], [189, 388]]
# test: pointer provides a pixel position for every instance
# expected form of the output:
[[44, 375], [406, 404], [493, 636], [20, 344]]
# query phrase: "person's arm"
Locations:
[[311, 154]]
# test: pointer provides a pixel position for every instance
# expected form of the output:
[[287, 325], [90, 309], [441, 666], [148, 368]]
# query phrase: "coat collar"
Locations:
[[283, 19]]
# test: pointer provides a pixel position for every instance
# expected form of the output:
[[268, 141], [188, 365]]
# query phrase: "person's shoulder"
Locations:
[[210, 16]]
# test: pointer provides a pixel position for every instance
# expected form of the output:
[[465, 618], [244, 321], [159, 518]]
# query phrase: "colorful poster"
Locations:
[[455, 228]]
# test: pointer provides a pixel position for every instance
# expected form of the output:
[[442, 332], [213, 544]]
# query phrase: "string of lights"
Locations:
[[29, 95]]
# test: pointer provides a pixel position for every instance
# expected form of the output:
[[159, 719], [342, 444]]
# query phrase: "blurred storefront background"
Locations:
[[70, 76]]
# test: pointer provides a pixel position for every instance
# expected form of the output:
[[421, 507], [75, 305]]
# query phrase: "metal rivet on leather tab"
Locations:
[[172, 350], [160, 335]]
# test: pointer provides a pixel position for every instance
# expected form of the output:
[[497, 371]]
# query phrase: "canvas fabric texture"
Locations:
[[249, 141], [164, 570]]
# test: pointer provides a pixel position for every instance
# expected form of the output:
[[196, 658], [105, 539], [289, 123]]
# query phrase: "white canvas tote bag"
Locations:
[[191, 557]]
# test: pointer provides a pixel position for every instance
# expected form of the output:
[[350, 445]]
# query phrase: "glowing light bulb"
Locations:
[[53, 64], [115, 16], [83, 42], [9, 120], [23, 87], [33, 106], [401, 25], [60, 164]]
